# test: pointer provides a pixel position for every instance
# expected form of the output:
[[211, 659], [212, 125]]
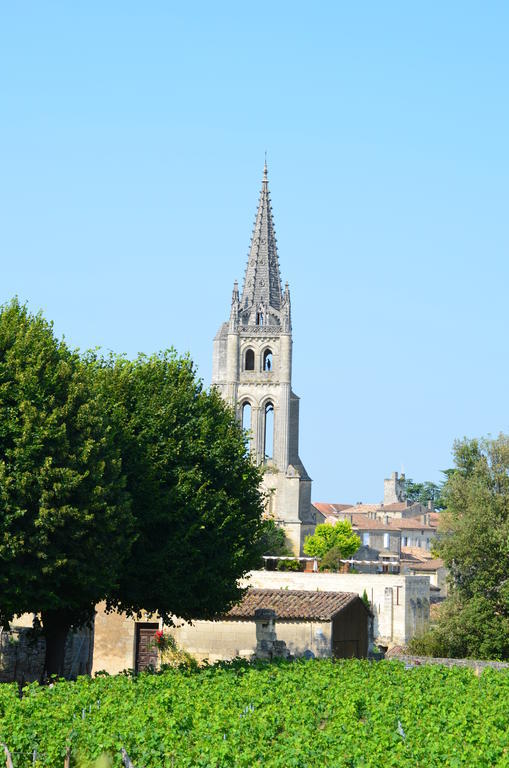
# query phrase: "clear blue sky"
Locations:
[[132, 141]]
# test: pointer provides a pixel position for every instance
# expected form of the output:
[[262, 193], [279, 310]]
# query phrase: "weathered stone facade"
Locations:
[[252, 369], [114, 642], [222, 640]]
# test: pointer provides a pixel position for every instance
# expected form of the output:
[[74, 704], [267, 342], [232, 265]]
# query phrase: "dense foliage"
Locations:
[[339, 537], [474, 543], [65, 515], [195, 492], [123, 481], [304, 714], [274, 540], [423, 492]]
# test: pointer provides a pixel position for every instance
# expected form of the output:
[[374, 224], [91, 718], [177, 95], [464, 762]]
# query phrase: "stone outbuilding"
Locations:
[[400, 603], [320, 624]]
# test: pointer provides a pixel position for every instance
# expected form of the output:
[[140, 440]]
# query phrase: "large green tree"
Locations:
[[327, 537], [119, 480], [195, 493], [65, 520], [424, 492], [474, 543]]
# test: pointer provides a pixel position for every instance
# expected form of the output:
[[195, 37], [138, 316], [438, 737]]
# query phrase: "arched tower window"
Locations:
[[267, 360], [268, 434], [259, 318], [246, 416], [249, 360]]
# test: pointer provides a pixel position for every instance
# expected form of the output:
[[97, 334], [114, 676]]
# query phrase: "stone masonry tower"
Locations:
[[252, 369]]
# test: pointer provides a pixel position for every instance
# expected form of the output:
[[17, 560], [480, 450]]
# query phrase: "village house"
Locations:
[[382, 538], [266, 623], [308, 623], [387, 529], [432, 567]]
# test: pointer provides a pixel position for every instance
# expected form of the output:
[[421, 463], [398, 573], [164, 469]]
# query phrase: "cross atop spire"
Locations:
[[261, 291]]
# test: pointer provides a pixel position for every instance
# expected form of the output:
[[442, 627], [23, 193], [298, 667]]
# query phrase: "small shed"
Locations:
[[307, 623]]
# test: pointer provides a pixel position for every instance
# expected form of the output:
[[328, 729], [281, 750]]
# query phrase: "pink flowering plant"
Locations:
[[170, 653], [163, 642]]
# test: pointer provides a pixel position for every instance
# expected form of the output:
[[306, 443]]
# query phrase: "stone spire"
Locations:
[[261, 291], [234, 312]]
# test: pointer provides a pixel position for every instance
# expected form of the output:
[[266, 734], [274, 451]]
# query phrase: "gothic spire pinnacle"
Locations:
[[262, 280]]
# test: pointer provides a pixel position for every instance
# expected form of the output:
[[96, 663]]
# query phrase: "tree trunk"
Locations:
[[55, 630]]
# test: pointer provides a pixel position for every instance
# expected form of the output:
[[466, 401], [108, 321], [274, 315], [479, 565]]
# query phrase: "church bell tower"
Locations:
[[252, 369]]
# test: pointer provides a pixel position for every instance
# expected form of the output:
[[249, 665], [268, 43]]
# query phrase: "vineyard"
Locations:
[[278, 715]]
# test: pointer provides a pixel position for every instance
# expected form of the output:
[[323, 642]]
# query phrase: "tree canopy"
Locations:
[[326, 537], [474, 543], [424, 492], [274, 540], [120, 480], [65, 515], [195, 493]]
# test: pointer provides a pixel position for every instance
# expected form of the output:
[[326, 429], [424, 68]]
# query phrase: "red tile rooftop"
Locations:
[[292, 604], [427, 565]]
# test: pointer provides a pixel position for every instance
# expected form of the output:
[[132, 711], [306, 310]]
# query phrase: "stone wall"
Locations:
[[21, 658], [216, 640], [22, 654], [114, 642], [223, 640], [400, 603]]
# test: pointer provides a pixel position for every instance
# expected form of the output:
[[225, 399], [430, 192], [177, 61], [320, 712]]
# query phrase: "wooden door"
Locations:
[[345, 649], [146, 652]]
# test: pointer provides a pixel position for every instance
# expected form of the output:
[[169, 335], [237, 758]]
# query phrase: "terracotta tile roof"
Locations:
[[330, 509], [364, 507], [406, 523], [364, 523], [398, 506], [292, 604], [428, 565], [358, 515], [416, 553], [409, 560], [359, 520]]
